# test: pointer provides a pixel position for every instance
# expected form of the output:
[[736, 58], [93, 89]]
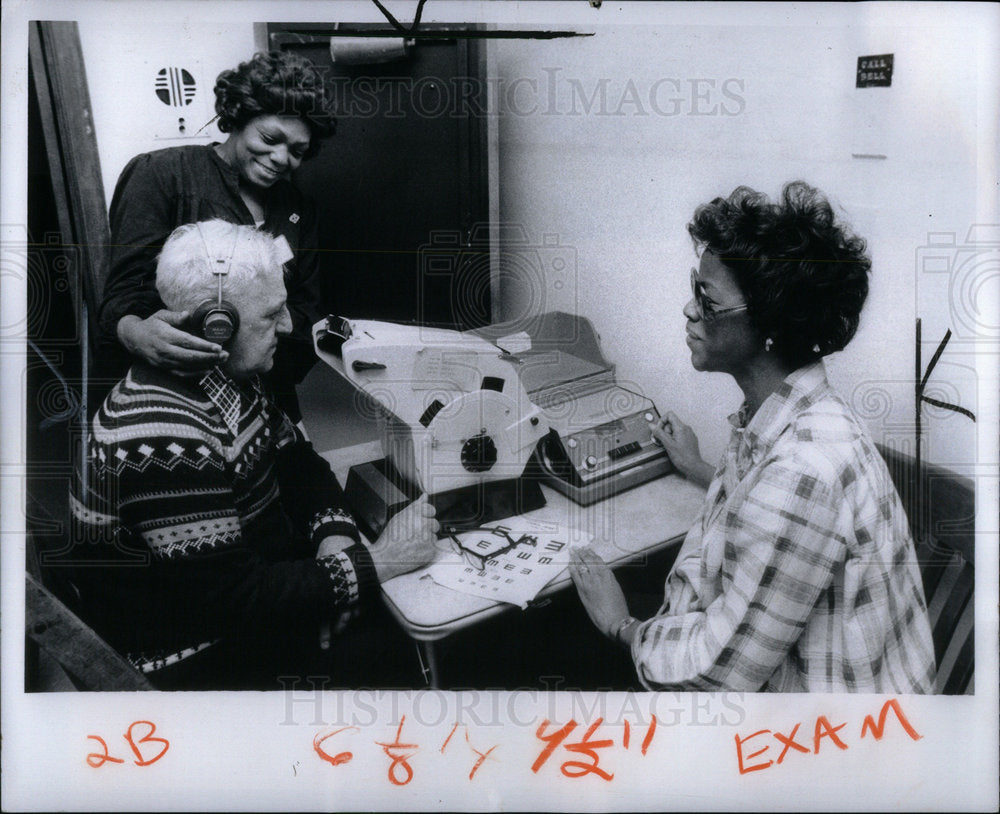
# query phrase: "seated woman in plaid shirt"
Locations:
[[799, 575]]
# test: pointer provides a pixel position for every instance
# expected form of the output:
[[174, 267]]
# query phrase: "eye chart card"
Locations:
[[509, 563]]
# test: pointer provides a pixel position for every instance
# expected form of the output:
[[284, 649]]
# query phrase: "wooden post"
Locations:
[[74, 645]]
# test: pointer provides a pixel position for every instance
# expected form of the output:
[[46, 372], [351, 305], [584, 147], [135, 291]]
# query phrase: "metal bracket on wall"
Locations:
[[920, 399], [398, 25]]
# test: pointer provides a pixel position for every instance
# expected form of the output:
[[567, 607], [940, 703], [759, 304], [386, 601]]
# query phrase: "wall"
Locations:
[[122, 61], [690, 112], [607, 143]]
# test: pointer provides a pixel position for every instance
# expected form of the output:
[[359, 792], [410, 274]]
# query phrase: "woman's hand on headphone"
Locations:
[[161, 340]]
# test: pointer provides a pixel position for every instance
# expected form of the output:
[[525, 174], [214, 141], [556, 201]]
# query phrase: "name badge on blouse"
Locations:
[[284, 250]]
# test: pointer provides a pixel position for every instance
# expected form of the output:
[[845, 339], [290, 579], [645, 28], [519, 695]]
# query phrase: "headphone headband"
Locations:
[[217, 320]]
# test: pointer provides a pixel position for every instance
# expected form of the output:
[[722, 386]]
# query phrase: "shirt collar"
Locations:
[[226, 167], [223, 391], [800, 389]]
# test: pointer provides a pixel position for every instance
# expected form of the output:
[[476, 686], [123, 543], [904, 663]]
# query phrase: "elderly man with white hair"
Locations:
[[224, 542]]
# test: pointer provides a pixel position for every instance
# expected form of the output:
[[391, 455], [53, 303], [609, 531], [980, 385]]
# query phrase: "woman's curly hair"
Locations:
[[278, 83], [804, 276]]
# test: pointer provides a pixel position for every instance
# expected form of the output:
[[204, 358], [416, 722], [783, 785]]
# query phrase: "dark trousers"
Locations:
[[371, 652]]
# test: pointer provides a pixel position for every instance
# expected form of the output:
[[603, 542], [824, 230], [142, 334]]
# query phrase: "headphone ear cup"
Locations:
[[215, 320]]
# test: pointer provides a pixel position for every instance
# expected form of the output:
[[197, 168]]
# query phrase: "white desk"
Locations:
[[640, 521]]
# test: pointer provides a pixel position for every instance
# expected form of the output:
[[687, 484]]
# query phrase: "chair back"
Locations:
[[941, 508]]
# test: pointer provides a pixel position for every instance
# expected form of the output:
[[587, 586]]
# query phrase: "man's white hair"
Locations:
[[187, 267]]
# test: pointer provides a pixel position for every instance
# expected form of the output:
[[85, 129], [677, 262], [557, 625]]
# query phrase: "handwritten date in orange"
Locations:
[[400, 771]]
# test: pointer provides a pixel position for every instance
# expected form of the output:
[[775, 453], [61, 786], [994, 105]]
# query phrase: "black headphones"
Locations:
[[216, 320]]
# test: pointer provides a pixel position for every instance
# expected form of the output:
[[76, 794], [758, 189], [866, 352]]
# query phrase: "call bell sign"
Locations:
[[875, 71]]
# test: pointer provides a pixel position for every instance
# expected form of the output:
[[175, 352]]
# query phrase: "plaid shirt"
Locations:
[[800, 573]]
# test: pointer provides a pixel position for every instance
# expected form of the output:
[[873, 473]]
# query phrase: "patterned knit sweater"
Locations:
[[199, 518]]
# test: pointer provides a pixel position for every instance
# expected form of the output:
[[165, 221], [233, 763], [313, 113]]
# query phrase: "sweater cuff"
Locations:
[[364, 569], [333, 522], [352, 572]]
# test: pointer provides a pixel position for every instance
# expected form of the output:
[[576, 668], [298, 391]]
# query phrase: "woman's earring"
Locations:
[[816, 348], [767, 344]]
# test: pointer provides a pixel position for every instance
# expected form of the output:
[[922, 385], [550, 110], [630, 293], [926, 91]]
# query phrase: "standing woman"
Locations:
[[799, 575], [276, 110]]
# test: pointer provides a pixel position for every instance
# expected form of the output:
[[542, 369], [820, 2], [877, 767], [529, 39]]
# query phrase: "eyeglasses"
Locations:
[[706, 310], [489, 549]]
